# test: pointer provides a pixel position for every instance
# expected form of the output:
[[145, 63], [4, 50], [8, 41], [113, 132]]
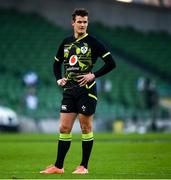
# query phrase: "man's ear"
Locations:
[[72, 22]]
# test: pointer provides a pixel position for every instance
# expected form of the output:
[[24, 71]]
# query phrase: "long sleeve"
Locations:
[[107, 67], [57, 66], [57, 69]]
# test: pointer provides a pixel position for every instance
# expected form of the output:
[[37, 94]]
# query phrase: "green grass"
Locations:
[[131, 156]]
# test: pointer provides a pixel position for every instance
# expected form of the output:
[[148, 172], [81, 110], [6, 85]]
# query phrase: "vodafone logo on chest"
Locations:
[[73, 60]]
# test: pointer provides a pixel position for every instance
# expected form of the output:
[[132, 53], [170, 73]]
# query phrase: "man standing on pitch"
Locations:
[[78, 53]]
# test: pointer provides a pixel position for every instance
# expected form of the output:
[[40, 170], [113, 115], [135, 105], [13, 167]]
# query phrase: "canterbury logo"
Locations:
[[64, 107]]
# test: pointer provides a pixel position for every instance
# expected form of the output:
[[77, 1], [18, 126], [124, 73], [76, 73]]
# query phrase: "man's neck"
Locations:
[[77, 36]]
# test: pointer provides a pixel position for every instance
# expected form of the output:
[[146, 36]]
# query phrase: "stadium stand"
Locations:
[[147, 49], [29, 42]]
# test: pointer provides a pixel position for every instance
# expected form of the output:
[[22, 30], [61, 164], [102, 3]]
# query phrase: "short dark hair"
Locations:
[[79, 12]]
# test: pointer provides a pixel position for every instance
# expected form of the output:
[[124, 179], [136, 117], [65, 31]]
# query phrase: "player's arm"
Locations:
[[109, 64], [107, 67], [106, 56], [57, 66]]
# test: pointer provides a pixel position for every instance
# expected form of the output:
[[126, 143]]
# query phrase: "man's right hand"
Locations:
[[62, 82]]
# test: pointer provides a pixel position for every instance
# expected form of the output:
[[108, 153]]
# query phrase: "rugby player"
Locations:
[[78, 53]]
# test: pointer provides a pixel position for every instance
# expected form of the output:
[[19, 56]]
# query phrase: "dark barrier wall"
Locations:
[[108, 12]]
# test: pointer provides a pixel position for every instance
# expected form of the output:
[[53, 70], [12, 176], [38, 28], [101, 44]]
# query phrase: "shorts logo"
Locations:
[[84, 49], [83, 108], [64, 107], [73, 60]]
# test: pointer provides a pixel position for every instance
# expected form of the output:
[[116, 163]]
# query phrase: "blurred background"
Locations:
[[135, 97]]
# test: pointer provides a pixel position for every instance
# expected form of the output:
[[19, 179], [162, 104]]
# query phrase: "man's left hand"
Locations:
[[84, 79]]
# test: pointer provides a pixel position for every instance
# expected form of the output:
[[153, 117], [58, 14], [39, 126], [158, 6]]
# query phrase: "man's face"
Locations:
[[80, 24]]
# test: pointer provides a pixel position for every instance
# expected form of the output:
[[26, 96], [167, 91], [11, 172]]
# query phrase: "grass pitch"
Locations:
[[132, 156]]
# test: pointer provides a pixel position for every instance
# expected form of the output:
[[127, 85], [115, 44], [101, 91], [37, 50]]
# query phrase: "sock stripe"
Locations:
[[65, 137], [87, 137]]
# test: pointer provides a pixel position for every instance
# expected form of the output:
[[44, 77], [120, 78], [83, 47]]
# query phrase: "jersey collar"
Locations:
[[83, 36]]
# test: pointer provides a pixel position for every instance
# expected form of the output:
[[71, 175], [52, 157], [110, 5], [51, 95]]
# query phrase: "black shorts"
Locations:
[[80, 99]]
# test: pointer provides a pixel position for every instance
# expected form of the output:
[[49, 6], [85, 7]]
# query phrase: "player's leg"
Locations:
[[87, 142], [67, 117], [87, 137], [66, 124], [86, 108]]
